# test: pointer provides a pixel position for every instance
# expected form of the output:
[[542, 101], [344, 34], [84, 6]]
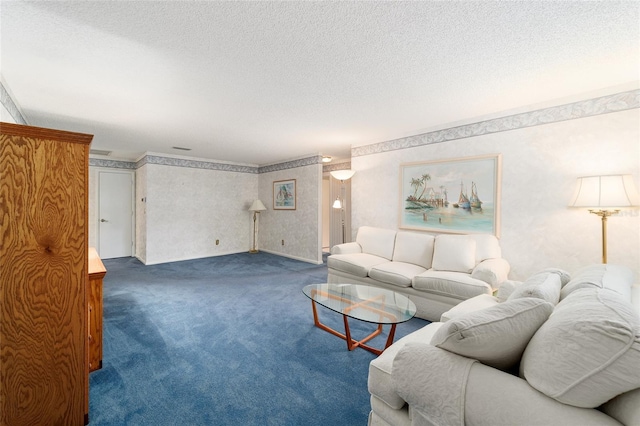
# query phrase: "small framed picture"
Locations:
[[284, 194]]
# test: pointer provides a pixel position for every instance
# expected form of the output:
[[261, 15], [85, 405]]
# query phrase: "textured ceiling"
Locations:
[[260, 82]]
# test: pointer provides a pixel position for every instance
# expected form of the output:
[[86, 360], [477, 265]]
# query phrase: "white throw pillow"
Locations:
[[496, 336], [587, 352], [506, 288], [455, 253], [544, 285]]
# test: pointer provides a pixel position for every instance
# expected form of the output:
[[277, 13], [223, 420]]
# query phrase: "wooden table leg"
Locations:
[[352, 343]]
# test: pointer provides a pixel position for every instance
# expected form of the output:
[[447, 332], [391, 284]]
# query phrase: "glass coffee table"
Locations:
[[364, 303]]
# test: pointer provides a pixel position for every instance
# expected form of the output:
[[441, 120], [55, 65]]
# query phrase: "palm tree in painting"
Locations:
[[415, 183], [423, 180]]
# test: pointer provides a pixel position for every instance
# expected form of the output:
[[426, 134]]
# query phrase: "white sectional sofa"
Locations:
[[435, 272], [550, 351]]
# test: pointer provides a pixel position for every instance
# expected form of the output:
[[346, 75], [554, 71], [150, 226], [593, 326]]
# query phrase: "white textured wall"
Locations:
[[300, 228], [539, 169], [187, 209]]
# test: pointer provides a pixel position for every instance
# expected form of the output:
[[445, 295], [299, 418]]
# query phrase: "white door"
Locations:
[[115, 203]]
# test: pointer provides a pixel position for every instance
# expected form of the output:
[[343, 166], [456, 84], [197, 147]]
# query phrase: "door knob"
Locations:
[[104, 220]]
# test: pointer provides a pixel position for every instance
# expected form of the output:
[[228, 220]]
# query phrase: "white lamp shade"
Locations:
[[343, 174], [612, 191], [257, 206], [337, 204]]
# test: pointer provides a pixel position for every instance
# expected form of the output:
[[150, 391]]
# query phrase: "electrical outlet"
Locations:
[[282, 242], [217, 242]]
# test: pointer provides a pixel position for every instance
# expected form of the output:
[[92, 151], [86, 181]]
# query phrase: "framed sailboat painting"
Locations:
[[460, 195], [284, 194]]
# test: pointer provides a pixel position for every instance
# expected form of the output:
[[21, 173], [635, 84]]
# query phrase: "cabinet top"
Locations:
[[11, 129], [95, 263]]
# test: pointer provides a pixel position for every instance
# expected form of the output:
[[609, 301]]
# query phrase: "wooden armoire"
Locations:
[[43, 276]]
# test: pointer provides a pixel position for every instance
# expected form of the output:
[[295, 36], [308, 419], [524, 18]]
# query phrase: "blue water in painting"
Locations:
[[451, 219]]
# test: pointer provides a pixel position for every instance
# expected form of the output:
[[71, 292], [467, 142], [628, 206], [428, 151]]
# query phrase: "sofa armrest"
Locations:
[[346, 248], [482, 395], [492, 271], [494, 397], [432, 381]]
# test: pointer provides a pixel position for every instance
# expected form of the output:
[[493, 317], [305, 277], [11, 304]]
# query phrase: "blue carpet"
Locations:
[[226, 340]]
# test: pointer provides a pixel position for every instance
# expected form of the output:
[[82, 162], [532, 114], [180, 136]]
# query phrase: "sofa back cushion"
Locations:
[[456, 253], [587, 352], [487, 247], [414, 248], [376, 241], [611, 277]]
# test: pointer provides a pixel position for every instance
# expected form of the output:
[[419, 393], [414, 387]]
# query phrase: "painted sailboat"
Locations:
[[463, 200], [474, 200]]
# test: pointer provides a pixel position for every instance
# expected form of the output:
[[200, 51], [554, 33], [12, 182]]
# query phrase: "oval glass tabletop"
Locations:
[[363, 302]]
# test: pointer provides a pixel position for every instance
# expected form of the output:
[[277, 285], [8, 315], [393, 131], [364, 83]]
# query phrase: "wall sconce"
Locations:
[[256, 208], [342, 175], [605, 196]]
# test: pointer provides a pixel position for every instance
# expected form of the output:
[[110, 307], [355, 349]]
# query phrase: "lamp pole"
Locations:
[[604, 214], [256, 208], [255, 229]]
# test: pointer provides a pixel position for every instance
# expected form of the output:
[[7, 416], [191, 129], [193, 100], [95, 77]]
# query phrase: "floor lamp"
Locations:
[[256, 208], [342, 175], [605, 196]]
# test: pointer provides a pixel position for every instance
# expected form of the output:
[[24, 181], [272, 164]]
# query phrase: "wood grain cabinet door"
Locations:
[[43, 273]]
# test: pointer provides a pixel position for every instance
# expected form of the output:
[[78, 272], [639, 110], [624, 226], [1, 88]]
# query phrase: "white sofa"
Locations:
[[435, 272], [520, 359]]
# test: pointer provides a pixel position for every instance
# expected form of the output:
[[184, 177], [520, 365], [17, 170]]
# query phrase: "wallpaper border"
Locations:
[[587, 108], [337, 166], [308, 161], [208, 165], [195, 164], [113, 164]]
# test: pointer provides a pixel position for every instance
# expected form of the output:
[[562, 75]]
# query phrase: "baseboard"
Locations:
[[302, 259]]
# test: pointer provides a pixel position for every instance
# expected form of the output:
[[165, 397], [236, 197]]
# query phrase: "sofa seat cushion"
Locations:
[[496, 336], [357, 264], [397, 273], [380, 383], [453, 284], [587, 352]]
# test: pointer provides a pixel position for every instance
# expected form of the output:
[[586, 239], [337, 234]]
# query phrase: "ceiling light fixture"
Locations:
[[326, 159]]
